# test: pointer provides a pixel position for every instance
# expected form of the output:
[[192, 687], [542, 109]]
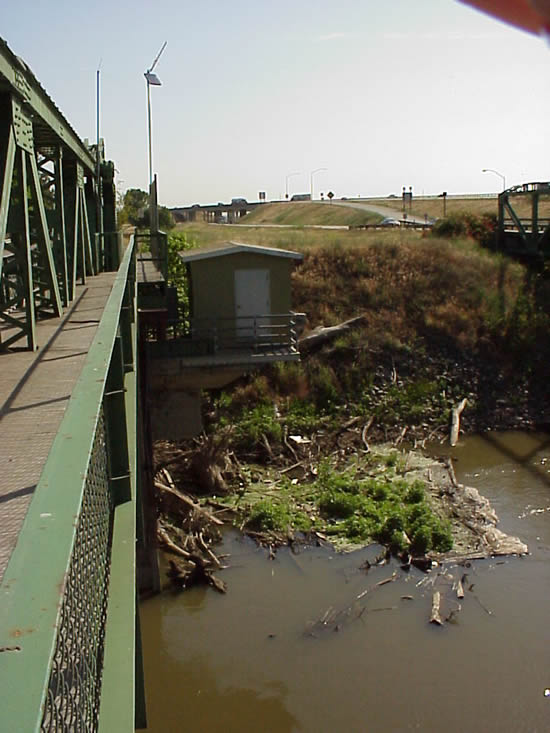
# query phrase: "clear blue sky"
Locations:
[[382, 95]]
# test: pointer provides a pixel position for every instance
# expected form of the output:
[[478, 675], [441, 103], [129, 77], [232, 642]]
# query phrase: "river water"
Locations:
[[253, 660]]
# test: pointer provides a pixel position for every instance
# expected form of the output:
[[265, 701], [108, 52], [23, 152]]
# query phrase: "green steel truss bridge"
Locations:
[[70, 508], [524, 221]]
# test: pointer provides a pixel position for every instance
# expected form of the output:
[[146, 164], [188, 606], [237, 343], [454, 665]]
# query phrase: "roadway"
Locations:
[[382, 210]]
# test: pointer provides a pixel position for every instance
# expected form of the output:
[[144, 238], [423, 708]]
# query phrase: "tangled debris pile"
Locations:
[[187, 531], [399, 498]]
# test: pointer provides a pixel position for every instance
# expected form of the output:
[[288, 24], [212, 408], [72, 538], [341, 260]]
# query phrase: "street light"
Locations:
[[490, 170], [286, 183], [317, 170], [152, 81]]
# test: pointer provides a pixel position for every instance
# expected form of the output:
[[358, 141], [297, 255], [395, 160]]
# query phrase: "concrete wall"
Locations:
[[213, 283], [175, 414]]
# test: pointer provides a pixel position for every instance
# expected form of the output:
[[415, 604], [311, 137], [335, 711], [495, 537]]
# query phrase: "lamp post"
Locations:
[[152, 80], [286, 182], [317, 170], [491, 170]]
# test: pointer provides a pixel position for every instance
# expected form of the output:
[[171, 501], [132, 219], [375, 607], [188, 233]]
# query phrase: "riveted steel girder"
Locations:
[[27, 269], [50, 126]]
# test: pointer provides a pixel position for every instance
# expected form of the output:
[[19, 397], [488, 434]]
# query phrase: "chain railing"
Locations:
[[71, 578]]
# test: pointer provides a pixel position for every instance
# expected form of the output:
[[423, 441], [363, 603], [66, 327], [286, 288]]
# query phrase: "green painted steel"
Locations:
[[67, 616], [67, 204], [526, 237], [54, 128]]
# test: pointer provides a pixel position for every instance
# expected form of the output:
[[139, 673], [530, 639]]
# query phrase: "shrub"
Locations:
[[268, 515], [259, 421], [339, 504], [462, 224]]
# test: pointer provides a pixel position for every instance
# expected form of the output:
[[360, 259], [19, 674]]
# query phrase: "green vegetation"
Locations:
[[368, 501], [135, 211], [463, 224]]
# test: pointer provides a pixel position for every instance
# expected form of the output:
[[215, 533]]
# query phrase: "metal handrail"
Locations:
[[260, 332], [72, 569]]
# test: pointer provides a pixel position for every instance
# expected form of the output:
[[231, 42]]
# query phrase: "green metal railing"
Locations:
[[152, 247], [68, 596]]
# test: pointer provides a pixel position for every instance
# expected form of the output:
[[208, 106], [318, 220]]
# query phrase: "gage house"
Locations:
[[240, 299], [239, 318]]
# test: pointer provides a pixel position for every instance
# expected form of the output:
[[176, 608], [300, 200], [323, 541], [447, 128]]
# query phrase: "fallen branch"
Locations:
[[402, 434], [435, 617], [287, 444], [322, 335], [179, 497], [165, 540], [365, 431], [291, 468], [455, 423]]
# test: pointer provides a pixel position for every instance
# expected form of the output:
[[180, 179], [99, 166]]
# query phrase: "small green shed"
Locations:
[[240, 280], [240, 292]]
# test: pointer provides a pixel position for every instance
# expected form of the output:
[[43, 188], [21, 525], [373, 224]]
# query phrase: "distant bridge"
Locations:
[[213, 213]]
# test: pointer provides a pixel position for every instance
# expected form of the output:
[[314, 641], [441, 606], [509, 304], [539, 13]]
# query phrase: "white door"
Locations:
[[252, 299]]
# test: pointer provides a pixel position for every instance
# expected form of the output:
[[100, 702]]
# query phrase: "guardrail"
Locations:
[[67, 615], [153, 247], [426, 197], [258, 333], [261, 334]]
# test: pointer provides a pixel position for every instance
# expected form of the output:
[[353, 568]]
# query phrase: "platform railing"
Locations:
[[153, 247], [67, 609], [259, 333]]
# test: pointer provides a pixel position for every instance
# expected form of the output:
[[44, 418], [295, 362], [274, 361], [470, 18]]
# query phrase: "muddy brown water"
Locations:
[[248, 661]]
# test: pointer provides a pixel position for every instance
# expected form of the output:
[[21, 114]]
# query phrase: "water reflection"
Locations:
[[190, 692]]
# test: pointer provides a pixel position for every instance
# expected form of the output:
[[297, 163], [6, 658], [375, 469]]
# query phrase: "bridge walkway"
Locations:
[[34, 391]]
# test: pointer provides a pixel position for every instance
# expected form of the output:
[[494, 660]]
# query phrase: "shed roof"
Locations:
[[231, 248]]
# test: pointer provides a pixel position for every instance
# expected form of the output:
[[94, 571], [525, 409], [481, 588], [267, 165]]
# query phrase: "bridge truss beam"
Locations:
[[52, 208], [524, 220]]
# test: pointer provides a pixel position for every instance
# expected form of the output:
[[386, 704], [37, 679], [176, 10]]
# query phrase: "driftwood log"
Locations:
[[435, 617], [325, 334], [455, 421]]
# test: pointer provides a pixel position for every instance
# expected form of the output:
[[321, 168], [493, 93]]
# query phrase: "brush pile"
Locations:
[[187, 531]]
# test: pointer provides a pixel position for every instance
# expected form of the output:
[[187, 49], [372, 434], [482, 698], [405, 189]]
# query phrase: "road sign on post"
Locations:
[[407, 198]]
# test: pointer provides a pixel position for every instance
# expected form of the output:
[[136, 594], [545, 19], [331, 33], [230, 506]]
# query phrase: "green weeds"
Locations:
[[384, 509]]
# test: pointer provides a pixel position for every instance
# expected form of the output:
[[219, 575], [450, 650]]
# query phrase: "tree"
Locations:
[[135, 204], [135, 210]]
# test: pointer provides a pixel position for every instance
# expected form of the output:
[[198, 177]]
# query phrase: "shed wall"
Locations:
[[213, 283]]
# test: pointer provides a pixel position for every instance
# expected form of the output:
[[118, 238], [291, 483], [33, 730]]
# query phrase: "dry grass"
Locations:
[[210, 235], [434, 207], [416, 287], [298, 214]]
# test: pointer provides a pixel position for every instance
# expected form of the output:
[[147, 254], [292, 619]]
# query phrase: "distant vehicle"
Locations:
[[389, 221], [301, 197], [239, 201]]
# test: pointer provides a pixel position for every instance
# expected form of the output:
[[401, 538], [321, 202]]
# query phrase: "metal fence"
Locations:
[[255, 335], [67, 617]]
